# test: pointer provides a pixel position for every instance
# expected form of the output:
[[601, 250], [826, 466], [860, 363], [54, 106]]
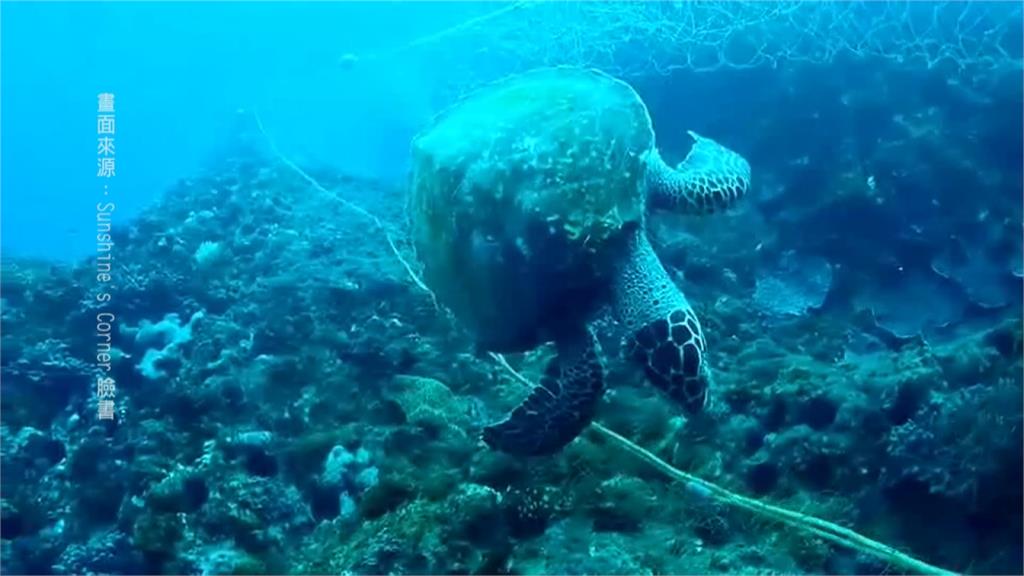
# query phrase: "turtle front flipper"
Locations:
[[711, 178], [559, 408], [664, 334]]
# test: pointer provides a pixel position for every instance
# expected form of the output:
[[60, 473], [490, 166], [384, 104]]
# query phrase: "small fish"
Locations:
[[484, 248], [347, 61]]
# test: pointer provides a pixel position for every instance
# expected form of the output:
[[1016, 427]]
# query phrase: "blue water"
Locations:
[[179, 72], [303, 385]]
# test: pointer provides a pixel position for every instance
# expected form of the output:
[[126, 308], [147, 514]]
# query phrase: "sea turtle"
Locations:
[[527, 209]]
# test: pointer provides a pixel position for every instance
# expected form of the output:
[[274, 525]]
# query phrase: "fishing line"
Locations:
[[350, 59], [806, 523]]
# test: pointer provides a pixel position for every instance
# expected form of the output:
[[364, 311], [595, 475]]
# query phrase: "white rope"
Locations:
[[806, 523]]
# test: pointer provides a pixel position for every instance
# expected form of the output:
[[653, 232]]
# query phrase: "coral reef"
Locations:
[[289, 402]]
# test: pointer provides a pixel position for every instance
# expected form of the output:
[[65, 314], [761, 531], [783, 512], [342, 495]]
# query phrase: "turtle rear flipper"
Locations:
[[665, 337], [711, 178], [559, 408]]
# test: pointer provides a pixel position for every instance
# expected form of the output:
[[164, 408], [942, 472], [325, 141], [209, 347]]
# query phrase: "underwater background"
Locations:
[[217, 357]]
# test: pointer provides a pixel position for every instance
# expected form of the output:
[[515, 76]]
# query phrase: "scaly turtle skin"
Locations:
[[528, 207]]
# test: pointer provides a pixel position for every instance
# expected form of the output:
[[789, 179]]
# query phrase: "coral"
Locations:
[[40, 380], [34, 554], [209, 254], [162, 343], [27, 456], [622, 504], [956, 439], [810, 457], [528, 511], [227, 560], [157, 535], [343, 468], [405, 540], [887, 304], [101, 479], [795, 287], [568, 549], [280, 439], [429, 403], [475, 516], [181, 491]]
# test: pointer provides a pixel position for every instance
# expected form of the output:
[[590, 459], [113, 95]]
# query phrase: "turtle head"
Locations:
[[711, 178]]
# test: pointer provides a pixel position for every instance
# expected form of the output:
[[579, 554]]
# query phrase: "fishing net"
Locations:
[[972, 40], [804, 523]]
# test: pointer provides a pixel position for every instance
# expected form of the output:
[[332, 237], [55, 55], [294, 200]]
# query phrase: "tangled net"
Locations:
[[969, 39], [973, 41], [799, 521]]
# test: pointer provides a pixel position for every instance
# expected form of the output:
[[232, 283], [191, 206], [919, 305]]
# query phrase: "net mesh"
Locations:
[[972, 40]]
